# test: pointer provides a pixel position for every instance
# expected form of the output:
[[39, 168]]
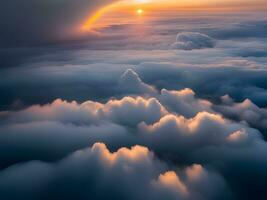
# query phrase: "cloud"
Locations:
[[245, 111], [50, 141], [171, 181], [211, 80], [184, 102], [96, 75], [177, 134], [130, 82], [90, 173], [127, 111], [56, 129], [193, 40], [118, 115], [211, 140], [179, 127]]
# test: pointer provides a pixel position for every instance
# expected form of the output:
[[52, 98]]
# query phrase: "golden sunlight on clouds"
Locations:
[[135, 154], [139, 6], [194, 172], [172, 181]]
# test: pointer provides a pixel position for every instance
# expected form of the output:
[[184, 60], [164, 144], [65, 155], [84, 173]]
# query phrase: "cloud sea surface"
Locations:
[[178, 111]]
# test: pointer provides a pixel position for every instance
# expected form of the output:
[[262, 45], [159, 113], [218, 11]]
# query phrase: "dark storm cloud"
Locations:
[[31, 22]]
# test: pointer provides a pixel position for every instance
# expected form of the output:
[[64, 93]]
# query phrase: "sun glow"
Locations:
[[138, 7], [139, 12], [88, 24]]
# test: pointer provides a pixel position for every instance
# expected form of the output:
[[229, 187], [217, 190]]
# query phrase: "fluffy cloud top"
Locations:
[[66, 127], [193, 40], [245, 111], [127, 111], [130, 82], [184, 102], [180, 128], [96, 173]]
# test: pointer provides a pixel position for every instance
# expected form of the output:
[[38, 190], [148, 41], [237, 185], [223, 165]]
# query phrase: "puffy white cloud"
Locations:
[[178, 134], [127, 111], [184, 102], [193, 40], [132, 111]]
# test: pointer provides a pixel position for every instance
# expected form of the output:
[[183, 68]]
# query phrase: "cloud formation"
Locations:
[[184, 102], [193, 40], [179, 127], [245, 111], [130, 82], [90, 173], [124, 117]]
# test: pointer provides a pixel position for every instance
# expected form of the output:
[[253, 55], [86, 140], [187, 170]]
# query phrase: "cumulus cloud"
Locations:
[[127, 111], [193, 40], [209, 80], [50, 141], [90, 173], [130, 82], [195, 179], [177, 134], [55, 130], [245, 111], [184, 102]]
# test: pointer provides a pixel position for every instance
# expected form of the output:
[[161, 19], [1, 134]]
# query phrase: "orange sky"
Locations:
[[149, 5]]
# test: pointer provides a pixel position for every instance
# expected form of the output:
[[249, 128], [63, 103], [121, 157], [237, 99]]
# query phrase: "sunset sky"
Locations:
[[133, 100]]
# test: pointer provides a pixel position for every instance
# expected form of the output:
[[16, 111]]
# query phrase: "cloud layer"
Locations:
[[193, 40], [90, 173], [120, 115], [178, 127]]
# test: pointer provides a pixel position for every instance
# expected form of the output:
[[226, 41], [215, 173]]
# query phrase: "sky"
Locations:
[[133, 100]]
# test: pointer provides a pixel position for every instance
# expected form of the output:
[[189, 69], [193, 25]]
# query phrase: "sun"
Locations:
[[139, 11]]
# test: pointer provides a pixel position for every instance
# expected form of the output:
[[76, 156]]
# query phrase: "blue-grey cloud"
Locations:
[[160, 111], [192, 40], [90, 173], [41, 22]]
